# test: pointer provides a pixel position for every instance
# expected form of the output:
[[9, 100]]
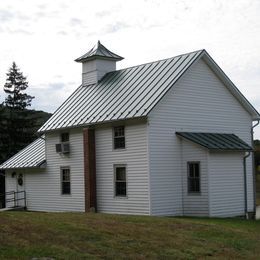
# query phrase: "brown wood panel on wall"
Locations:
[[90, 169]]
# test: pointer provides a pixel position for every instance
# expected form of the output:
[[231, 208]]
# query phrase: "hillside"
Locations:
[[34, 235], [28, 122]]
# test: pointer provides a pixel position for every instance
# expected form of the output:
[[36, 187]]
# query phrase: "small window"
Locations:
[[119, 137], [65, 181], [120, 181], [64, 137], [193, 177]]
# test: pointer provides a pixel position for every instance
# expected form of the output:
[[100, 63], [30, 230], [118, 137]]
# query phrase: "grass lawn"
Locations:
[[24, 235]]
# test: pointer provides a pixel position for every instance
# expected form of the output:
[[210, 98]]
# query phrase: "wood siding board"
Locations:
[[195, 204], [135, 159], [227, 184], [43, 187], [198, 102]]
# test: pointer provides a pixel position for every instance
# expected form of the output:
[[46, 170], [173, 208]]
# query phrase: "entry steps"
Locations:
[[17, 208]]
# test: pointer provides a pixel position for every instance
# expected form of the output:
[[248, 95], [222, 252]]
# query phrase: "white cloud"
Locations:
[[44, 37]]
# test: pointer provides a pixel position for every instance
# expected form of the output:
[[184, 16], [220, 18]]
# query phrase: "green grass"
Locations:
[[24, 235]]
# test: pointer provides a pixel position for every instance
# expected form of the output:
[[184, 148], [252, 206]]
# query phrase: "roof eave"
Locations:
[[82, 59], [214, 149], [143, 117], [230, 150], [41, 166]]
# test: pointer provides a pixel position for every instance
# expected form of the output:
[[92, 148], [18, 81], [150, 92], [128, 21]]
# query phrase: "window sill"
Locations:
[[194, 193], [119, 149], [120, 197]]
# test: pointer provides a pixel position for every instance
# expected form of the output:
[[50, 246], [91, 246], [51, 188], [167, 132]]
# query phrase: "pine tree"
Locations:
[[15, 86], [4, 136], [18, 123]]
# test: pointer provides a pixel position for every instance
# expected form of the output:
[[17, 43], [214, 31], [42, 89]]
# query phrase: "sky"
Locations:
[[44, 37]]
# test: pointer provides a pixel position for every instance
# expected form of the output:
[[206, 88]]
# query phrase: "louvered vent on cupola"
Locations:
[[96, 63]]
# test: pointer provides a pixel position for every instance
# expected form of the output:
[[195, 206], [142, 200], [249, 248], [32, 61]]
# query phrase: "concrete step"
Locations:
[[257, 214], [17, 208]]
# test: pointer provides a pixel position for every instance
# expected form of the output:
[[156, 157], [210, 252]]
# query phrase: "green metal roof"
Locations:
[[32, 156], [216, 141], [122, 94], [130, 93], [99, 51]]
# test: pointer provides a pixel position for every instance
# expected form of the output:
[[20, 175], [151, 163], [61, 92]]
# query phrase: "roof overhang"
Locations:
[[126, 121], [216, 141], [40, 165]]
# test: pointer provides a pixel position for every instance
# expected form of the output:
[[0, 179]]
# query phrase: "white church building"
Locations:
[[167, 138]]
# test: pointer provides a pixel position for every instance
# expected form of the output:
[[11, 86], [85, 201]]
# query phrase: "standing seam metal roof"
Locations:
[[122, 94], [31, 156], [101, 51], [217, 141]]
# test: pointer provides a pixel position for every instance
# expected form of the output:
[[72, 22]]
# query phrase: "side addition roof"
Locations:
[[100, 51], [122, 94], [216, 141], [32, 156]]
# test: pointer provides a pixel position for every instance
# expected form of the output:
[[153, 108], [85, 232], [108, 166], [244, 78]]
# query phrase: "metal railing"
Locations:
[[12, 199]]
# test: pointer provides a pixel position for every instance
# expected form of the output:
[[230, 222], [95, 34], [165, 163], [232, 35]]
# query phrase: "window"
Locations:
[[120, 181], [64, 137], [193, 177], [119, 137], [65, 181]]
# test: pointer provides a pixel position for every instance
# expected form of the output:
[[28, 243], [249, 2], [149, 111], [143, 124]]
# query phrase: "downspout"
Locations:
[[245, 184], [253, 164]]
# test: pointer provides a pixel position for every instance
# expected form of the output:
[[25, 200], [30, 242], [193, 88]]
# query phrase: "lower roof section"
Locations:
[[32, 156], [216, 141]]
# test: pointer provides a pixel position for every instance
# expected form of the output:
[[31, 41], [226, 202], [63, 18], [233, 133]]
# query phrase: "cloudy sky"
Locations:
[[44, 37]]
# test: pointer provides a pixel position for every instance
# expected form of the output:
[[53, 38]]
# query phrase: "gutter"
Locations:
[[253, 164], [245, 183]]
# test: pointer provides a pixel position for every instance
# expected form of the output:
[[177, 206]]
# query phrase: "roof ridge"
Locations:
[[146, 63]]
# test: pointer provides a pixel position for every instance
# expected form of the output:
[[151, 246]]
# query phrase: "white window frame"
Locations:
[[61, 180], [126, 181], [63, 134], [114, 138], [188, 178]]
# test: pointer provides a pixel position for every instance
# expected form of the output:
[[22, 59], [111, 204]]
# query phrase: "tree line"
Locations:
[[18, 123]]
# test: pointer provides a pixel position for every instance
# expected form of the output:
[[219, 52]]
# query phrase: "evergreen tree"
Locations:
[[15, 86], [4, 136], [18, 123]]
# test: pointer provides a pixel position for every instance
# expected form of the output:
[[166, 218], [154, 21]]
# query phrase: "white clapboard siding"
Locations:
[[135, 159], [43, 186], [93, 71], [195, 204], [10, 185], [226, 184], [199, 102]]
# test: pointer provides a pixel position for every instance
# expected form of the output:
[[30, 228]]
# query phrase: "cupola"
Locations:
[[96, 63]]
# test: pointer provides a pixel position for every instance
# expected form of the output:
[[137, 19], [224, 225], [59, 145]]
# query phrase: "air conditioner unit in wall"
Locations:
[[63, 148]]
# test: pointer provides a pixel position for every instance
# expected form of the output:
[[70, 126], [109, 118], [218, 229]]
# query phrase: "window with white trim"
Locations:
[[119, 137], [120, 181], [193, 177], [65, 181], [64, 137]]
